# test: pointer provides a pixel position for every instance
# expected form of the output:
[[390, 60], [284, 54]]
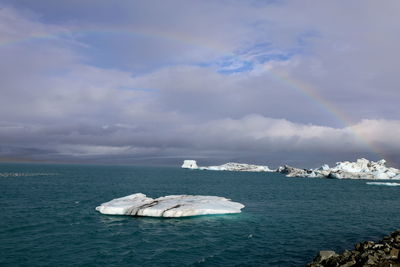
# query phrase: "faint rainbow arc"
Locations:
[[297, 85], [310, 92]]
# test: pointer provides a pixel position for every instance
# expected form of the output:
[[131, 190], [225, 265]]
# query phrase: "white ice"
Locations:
[[169, 206], [189, 164], [387, 184], [361, 169], [230, 166]]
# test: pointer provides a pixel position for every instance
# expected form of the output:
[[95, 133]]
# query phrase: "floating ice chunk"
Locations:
[[25, 174], [169, 206], [361, 169], [324, 167], [387, 184], [233, 166], [125, 205], [189, 164], [230, 166]]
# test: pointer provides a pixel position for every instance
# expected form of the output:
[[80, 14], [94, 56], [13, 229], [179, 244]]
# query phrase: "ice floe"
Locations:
[[230, 166], [169, 206], [23, 174], [380, 183], [361, 169]]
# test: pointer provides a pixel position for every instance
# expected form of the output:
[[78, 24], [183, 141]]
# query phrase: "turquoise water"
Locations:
[[47, 217]]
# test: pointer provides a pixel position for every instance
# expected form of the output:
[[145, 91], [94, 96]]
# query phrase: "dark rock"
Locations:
[[372, 260], [368, 244], [346, 254], [359, 246], [349, 263], [385, 253], [364, 255], [326, 254], [395, 233], [378, 246], [394, 254]]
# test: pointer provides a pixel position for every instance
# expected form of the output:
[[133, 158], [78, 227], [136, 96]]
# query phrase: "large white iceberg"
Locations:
[[169, 206], [230, 166], [361, 169]]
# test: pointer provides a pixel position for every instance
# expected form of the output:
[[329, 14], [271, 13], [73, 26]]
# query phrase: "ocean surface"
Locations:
[[48, 217]]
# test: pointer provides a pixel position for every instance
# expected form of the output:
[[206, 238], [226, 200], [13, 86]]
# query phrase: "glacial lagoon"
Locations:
[[49, 217]]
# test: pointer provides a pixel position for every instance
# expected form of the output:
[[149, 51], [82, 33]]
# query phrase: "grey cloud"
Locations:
[[252, 138], [56, 104]]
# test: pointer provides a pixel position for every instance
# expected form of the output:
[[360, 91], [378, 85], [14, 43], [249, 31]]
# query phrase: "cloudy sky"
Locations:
[[154, 82]]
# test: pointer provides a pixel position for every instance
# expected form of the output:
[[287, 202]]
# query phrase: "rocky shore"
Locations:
[[384, 253]]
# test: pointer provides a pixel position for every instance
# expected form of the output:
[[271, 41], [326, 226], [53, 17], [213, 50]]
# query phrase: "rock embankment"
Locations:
[[384, 253]]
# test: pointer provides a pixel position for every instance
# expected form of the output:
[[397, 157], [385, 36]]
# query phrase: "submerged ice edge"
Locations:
[[361, 169], [169, 206]]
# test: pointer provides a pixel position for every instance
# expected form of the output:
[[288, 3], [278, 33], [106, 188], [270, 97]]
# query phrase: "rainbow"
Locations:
[[290, 82], [323, 104]]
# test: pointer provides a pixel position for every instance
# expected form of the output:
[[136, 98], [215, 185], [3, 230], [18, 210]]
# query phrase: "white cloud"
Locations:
[[55, 104]]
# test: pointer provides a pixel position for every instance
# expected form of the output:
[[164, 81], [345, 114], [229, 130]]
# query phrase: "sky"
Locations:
[[155, 82]]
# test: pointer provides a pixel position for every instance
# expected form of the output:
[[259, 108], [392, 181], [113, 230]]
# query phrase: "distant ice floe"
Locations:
[[169, 206], [361, 169], [387, 184], [23, 174], [231, 166]]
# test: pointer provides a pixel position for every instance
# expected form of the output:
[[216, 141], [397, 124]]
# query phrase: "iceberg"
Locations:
[[296, 172], [230, 166], [169, 206], [190, 164], [361, 169]]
